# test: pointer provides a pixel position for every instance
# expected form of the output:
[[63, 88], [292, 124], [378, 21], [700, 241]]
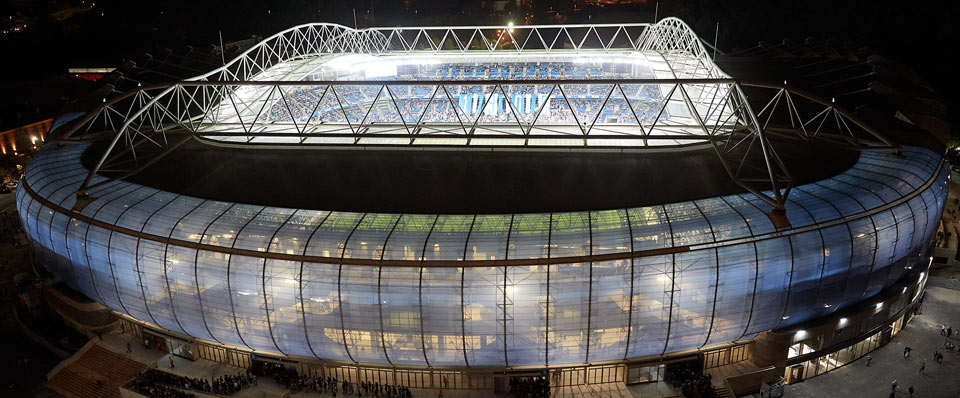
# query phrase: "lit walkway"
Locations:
[[922, 334]]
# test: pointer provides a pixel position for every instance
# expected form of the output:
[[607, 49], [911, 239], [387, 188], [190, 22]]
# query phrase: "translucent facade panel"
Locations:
[[687, 224], [488, 238], [724, 220], [292, 237], [321, 301], [797, 214], [483, 322], [151, 262], [529, 237], [920, 221], [891, 179], [610, 310], [861, 260], [905, 220], [400, 314], [570, 235], [259, 232], [773, 270], [224, 229], [191, 226], [361, 313], [807, 249], [886, 227], [837, 249], [123, 260], [448, 238], [695, 285], [98, 259], [569, 306], [248, 301], [611, 232], [842, 202], [738, 275], [370, 235], [408, 239], [444, 315], [651, 305], [885, 193], [184, 294], [650, 228], [281, 284], [526, 304], [818, 209], [77, 245], [479, 316], [58, 237], [865, 197], [214, 283], [330, 238]]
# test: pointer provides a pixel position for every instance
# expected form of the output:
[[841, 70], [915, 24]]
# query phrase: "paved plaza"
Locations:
[[922, 334]]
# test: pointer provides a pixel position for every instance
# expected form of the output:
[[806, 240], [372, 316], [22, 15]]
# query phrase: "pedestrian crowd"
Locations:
[[223, 385], [145, 384], [530, 387], [689, 378], [293, 380]]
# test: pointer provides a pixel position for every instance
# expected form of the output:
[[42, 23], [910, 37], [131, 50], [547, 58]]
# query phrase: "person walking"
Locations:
[[943, 330], [949, 332], [923, 366], [129, 350], [910, 390], [893, 386], [171, 362], [869, 358]]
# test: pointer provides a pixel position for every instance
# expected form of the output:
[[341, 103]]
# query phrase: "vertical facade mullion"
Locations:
[[463, 275], [303, 308], [383, 251], [546, 330], [716, 283], [626, 350], [673, 281], [139, 273], [343, 328], [590, 288], [113, 274], [756, 263], [263, 276], [196, 278], [233, 244], [506, 268], [423, 253]]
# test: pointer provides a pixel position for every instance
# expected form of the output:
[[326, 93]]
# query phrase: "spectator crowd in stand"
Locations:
[[689, 378], [530, 387]]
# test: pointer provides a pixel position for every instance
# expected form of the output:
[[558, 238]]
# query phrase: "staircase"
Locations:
[[79, 378], [723, 392]]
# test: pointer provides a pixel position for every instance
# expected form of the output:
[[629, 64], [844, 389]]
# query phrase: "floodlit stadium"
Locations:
[[494, 197]]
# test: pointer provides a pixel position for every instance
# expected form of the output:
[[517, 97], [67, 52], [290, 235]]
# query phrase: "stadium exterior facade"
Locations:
[[472, 290]]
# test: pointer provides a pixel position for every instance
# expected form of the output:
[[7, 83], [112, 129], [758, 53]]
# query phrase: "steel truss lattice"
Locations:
[[229, 102]]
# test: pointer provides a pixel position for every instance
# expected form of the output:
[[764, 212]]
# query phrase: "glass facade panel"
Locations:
[[569, 306], [448, 238], [526, 306], [807, 267], [488, 237], [400, 314], [281, 283]]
